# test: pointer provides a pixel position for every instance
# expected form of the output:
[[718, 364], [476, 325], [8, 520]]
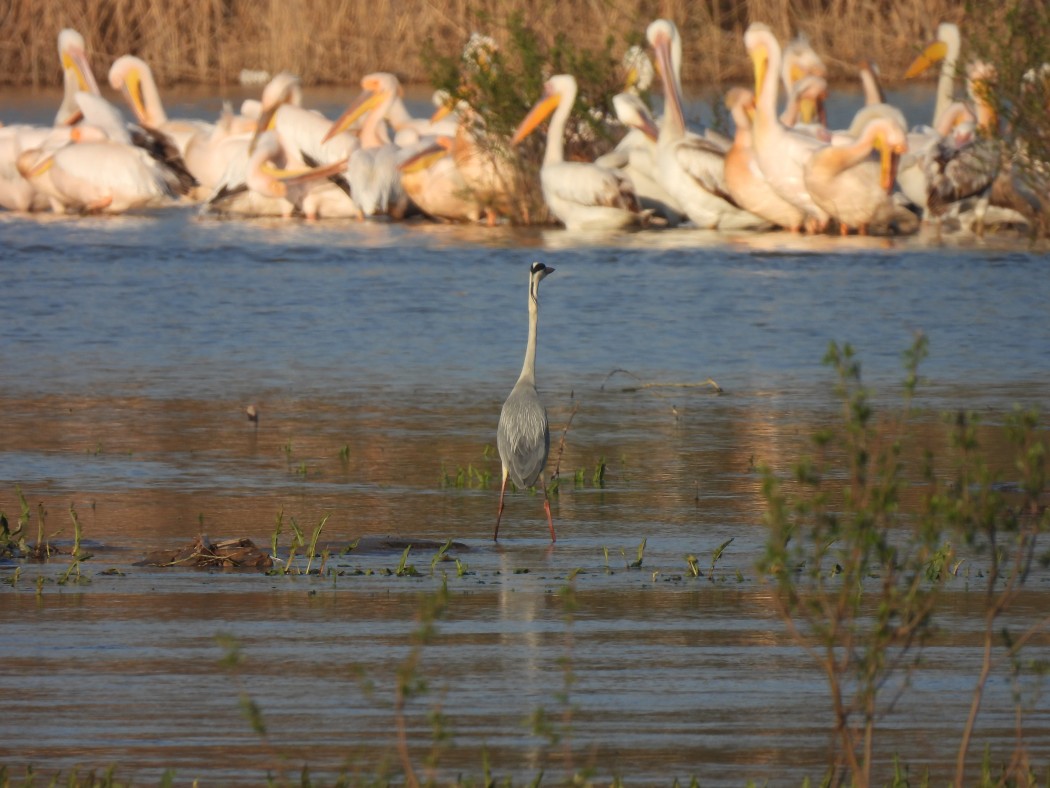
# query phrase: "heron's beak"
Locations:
[[933, 54], [364, 102], [539, 113]]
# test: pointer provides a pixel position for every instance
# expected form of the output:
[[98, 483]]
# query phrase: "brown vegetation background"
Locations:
[[337, 41]]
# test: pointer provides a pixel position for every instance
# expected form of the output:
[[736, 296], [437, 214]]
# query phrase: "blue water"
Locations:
[[177, 306]]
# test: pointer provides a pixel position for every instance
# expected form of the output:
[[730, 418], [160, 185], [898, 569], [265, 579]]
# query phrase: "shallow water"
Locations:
[[378, 356]]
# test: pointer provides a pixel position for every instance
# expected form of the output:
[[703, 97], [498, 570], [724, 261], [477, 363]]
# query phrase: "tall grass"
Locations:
[[337, 41]]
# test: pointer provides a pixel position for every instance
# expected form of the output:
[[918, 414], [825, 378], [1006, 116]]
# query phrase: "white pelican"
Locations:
[[780, 152], [583, 196], [638, 70], [689, 167], [133, 77], [804, 110], [302, 131], [16, 193], [374, 179], [925, 145], [264, 186], [97, 175], [744, 179], [800, 60], [487, 166], [875, 104], [434, 183], [635, 156], [975, 165], [945, 50], [76, 75], [849, 184]]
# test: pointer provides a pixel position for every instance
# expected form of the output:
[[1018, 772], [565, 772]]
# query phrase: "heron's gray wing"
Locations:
[[523, 437]]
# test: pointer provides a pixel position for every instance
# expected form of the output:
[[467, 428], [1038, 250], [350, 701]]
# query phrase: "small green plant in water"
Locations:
[[637, 562], [716, 555], [598, 479], [312, 549], [77, 555], [405, 569], [694, 565]]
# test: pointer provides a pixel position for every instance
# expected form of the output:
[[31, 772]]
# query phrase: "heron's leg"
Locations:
[[547, 508], [499, 512]]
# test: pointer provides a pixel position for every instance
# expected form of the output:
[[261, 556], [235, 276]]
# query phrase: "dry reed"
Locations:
[[337, 41]]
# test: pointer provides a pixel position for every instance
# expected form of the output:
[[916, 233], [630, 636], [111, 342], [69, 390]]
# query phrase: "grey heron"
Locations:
[[523, 437]]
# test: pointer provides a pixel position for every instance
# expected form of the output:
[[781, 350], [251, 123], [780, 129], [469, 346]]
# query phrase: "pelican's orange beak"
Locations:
[[889, 159], [441, 113], [426, 157], [265, 122], [30, 164], [75, 61], [933, 54], [649, 128], [132, 89], [760, 62], [294, 177], [539, 113], [365, 101]]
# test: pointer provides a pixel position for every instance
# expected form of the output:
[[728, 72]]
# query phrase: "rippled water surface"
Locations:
[[378, 356]]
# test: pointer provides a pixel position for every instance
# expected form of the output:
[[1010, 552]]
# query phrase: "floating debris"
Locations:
[[202, 554]]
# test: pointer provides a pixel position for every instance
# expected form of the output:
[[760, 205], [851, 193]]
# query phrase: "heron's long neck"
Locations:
[[528, 369]]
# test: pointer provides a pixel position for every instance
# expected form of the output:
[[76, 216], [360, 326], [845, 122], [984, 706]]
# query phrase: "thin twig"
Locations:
[[561, 442], [660, 384]]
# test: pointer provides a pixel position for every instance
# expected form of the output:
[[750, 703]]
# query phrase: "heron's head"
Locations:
[[536, 273]]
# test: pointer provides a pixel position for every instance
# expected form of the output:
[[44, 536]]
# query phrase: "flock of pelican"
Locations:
[[783, 168]]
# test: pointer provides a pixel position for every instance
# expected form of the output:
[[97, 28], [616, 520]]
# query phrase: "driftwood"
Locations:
[[657, 384], [203, 554]]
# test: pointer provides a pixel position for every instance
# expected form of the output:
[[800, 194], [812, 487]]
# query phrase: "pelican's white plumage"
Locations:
[[76, 75], [582, 195], [133, 77], [945, 50], [97, 175], [635, 157], [260, 183], [780, 152], [375, 181], [691, 168], [851, 185], [303, 132], [434, 183], [744, 180]]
